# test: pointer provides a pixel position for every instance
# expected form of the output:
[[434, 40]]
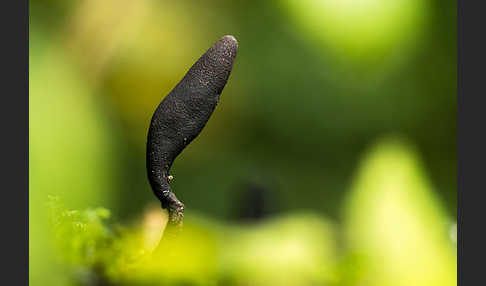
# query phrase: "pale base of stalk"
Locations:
[[172, 230]]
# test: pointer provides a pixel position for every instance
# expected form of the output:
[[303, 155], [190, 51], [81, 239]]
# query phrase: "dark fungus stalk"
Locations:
[[182, 115]]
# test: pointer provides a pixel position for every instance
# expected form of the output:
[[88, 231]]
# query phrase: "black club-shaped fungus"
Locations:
[[182, 115]]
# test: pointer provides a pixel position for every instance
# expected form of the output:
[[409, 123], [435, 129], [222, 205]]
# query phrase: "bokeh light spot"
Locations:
[[361, 30]]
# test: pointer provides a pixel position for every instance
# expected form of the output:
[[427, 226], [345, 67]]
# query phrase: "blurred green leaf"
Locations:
[[70, 149], [296, 249], [395, 223]]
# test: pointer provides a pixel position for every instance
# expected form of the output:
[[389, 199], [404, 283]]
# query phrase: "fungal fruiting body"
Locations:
[[182, 115]]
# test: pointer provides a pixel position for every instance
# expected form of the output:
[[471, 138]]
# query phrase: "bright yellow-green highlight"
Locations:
[[361, 30], [397, 225], [298, 249]]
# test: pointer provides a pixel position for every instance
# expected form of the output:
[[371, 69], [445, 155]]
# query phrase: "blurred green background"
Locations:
[[330, 160]]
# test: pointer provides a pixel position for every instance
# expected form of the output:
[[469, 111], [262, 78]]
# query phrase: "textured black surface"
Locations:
[[182, 115]]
